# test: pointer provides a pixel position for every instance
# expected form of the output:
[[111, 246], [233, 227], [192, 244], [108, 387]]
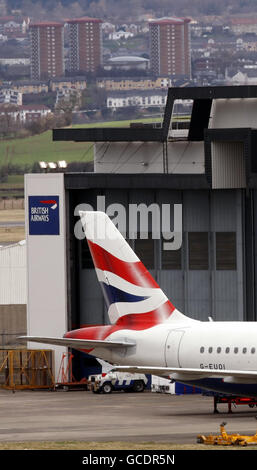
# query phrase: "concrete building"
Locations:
[[13, 293], [10, 96], [85, 44], [210, 172], [47, 50], [170, 46]]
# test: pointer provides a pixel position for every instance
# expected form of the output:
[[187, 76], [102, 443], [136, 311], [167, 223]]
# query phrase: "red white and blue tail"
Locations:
[[133, 298]]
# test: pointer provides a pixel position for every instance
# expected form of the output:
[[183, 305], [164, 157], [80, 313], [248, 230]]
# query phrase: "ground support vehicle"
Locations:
[[106, 383], [225, 439]]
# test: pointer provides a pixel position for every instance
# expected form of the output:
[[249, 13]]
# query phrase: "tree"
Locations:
[[8, 124]]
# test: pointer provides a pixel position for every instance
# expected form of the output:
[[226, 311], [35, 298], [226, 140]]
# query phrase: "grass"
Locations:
[[41, 147], [80, 445], [13, 182]]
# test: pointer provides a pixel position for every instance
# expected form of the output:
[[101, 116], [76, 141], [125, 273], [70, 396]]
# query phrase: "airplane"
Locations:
[[148, 334]]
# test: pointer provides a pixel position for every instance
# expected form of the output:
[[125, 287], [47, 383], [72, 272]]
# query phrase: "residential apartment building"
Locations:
[[85, 44], [47, 50], [13, 25], [142, 99], [170, 46], [126, 84], [26, 113], [243, 25], [75, 83], [10, 96], [32, 86]]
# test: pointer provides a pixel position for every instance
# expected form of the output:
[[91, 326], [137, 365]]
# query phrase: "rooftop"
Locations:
[[43, 24], [84, 19], [243, 21], [170, 20], [127, 58]]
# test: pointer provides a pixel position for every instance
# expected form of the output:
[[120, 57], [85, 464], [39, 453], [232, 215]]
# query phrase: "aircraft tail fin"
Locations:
[[132, 296]]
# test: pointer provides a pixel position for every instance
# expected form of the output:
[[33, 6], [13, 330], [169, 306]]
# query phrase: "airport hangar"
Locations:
[[210, 169]]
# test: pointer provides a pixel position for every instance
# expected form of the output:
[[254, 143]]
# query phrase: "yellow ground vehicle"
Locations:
[[225, 439]]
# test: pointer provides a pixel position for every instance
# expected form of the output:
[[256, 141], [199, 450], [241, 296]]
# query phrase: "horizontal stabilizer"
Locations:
[[181, 374], [76, 343]]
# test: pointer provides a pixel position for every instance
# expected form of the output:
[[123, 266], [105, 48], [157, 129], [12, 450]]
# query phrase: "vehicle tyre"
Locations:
[[138, 386], [106, 387]]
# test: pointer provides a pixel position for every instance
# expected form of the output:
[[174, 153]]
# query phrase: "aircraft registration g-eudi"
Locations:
[[147, 334]]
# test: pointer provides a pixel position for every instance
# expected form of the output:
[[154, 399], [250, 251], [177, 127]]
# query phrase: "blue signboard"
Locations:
[[44, 215]]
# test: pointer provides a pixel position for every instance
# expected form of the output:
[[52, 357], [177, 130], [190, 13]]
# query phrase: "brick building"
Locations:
[[47, 50], [85, 44], [170, 46]]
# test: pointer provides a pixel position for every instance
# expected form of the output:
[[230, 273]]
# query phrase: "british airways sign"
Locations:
[[44, 215]]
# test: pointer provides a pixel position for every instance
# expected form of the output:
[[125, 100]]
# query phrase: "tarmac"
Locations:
[[131, 417]]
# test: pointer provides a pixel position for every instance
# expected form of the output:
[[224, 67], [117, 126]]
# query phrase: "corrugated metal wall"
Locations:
[[228, 165], [198, 293], [13, 288]]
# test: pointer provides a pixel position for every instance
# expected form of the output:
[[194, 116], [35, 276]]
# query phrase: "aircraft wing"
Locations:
[[76, 343], [184, 374]]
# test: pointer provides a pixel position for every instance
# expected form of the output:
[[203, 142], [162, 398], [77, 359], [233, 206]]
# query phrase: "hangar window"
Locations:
[[226, 250], [171, 259], [144, 249], [198, 247]]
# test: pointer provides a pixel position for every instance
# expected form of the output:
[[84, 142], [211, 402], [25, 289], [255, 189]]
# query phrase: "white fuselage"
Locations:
[[209, 345]]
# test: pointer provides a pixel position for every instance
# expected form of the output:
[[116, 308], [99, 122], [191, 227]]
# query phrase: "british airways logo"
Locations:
[[44, 215], [53, 204]]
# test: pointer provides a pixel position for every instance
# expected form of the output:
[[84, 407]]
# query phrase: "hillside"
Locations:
[[111, 9]]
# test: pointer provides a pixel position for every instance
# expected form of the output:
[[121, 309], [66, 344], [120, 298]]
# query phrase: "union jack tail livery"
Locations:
[[148, 334], [133, 298]]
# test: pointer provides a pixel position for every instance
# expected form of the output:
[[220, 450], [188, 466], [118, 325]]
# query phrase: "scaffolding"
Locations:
[[26, 369], [66, 379]]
